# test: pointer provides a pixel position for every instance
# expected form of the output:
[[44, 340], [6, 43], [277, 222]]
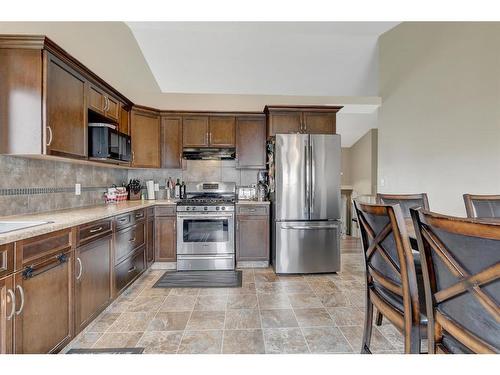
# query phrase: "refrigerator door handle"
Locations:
[[311, 228], [312, 178], [307, 202]]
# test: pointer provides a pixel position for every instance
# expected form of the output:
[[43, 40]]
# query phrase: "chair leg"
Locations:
[[367, 333], [378, 320]]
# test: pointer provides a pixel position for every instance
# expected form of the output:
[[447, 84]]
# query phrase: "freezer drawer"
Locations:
[[205, 263], [307, 247]]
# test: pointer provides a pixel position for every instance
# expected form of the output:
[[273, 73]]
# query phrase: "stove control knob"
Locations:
[[188, 208], [205, 208], [217, 208], [223, 208]]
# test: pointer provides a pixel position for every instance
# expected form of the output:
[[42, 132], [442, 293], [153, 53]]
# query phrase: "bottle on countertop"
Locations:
[[177, 193], [183, 190]]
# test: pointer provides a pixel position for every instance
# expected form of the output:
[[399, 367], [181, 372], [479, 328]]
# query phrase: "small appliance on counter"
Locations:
[[247, 193]]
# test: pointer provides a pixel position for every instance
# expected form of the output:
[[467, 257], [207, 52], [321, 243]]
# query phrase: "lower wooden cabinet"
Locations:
[[165, 239], [7, 314], [129, 269], [44, 300], [150, 243], [93, 280], [252, 238]]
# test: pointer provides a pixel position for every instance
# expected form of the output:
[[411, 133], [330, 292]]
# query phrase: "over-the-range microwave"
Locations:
[[108, 144]]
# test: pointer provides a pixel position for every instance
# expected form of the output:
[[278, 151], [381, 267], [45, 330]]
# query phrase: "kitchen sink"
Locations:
[[10, 226]]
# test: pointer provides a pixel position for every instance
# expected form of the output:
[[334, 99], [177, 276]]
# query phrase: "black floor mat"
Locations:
[[200, 279], [107, 351]]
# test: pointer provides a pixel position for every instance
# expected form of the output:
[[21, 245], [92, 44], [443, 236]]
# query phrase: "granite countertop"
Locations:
[[252, 202], [68, 218]]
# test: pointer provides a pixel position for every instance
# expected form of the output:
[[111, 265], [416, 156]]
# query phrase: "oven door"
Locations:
[[205, 233]]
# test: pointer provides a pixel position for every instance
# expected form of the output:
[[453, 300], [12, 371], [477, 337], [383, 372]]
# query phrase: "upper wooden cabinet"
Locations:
[[301, 119], [251, 142], [51, 115], [145, 134], [195, 131], [208, 131], [221, 131], [66, 120], [171, 141], [101, 102]]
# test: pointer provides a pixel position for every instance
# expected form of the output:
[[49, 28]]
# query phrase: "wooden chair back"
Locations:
[[482, 206], [390, 268], [461, 269], [406, 201]]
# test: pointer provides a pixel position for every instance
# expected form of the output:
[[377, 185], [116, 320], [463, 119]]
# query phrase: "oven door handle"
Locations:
[[201, 216], [214, 256]]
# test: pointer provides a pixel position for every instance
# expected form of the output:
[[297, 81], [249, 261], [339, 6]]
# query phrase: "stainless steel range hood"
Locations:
[[208, 153]]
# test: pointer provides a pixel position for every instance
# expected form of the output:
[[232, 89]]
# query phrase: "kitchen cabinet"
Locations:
[[252, 232], [195, 131], [145, 134], [124, 125], [251, 142], [221, 131], [150, 237], [66, 122], [129, 270], [165, 234], [92, 279], [129, 239], [301, 119], [101, 102], [6, 259], [7, 314], [171, 142]]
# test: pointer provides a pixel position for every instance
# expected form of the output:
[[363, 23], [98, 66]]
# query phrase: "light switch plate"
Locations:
[[78, 189]]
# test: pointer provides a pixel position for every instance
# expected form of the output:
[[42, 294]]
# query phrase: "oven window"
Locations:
[[205, 230]]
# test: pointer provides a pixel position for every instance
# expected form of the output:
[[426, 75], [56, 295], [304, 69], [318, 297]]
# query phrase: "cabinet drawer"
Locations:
[[92, 231], [128, 270], [36, 249], [165, 210], [130, 218], [6, 259], [252, 209], [150, 212], [129, 239]]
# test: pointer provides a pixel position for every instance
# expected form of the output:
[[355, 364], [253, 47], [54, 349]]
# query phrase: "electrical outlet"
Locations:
[[382, 182], [78, 189]]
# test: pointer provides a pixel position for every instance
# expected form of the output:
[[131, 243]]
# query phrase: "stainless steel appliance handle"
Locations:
[[13, 302], [306, 180], [21, 292], [205, 257], [211, 216], [313, 179], [301, 227], [80, 266]]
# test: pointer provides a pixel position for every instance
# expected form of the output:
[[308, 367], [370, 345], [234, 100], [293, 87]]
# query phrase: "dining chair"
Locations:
[[406, 201], [482, 206], [391, 279], [461, 268]]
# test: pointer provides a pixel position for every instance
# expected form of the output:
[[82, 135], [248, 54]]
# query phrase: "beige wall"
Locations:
[[439, 124], [359, 164]]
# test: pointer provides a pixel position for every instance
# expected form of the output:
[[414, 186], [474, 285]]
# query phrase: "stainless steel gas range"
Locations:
[[205, 227]]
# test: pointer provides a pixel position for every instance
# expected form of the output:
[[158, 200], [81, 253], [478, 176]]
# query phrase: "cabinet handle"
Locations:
[[133, 156], [122, 220], [13, 301], [132, 240], [106, 103], [206, 138], [96, 230], [132, 269], [80, 268], [210, 138], [21, 293], [49, 129]]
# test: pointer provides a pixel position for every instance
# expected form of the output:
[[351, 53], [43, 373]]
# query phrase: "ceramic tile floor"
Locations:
[[269, 314]]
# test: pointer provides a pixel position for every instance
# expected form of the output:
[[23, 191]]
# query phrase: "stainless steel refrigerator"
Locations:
[[306, 204]]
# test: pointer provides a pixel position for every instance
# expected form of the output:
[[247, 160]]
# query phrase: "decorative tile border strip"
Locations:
[[45, 190]]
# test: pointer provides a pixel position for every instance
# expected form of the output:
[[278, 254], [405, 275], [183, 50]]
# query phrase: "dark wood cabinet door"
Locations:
[[284, 122], [96, 99], [222, 131], [195, 131], [252, 238], [112, 108], [251, 142], [319, 122], [124, 124], [145, 134], [150, 245], [66, 120], [44, 297], [171, 142], [7, 314], [165, 239], [93, 280]]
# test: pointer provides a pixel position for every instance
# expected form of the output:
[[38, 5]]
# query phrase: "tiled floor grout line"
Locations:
[[185, 328]]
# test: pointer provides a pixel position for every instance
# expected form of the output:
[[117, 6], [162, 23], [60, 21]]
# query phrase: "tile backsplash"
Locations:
[[34, 185]]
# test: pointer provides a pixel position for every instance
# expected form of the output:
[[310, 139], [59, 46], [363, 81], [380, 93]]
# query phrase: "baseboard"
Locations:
[[164, 266], [252, 264]]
